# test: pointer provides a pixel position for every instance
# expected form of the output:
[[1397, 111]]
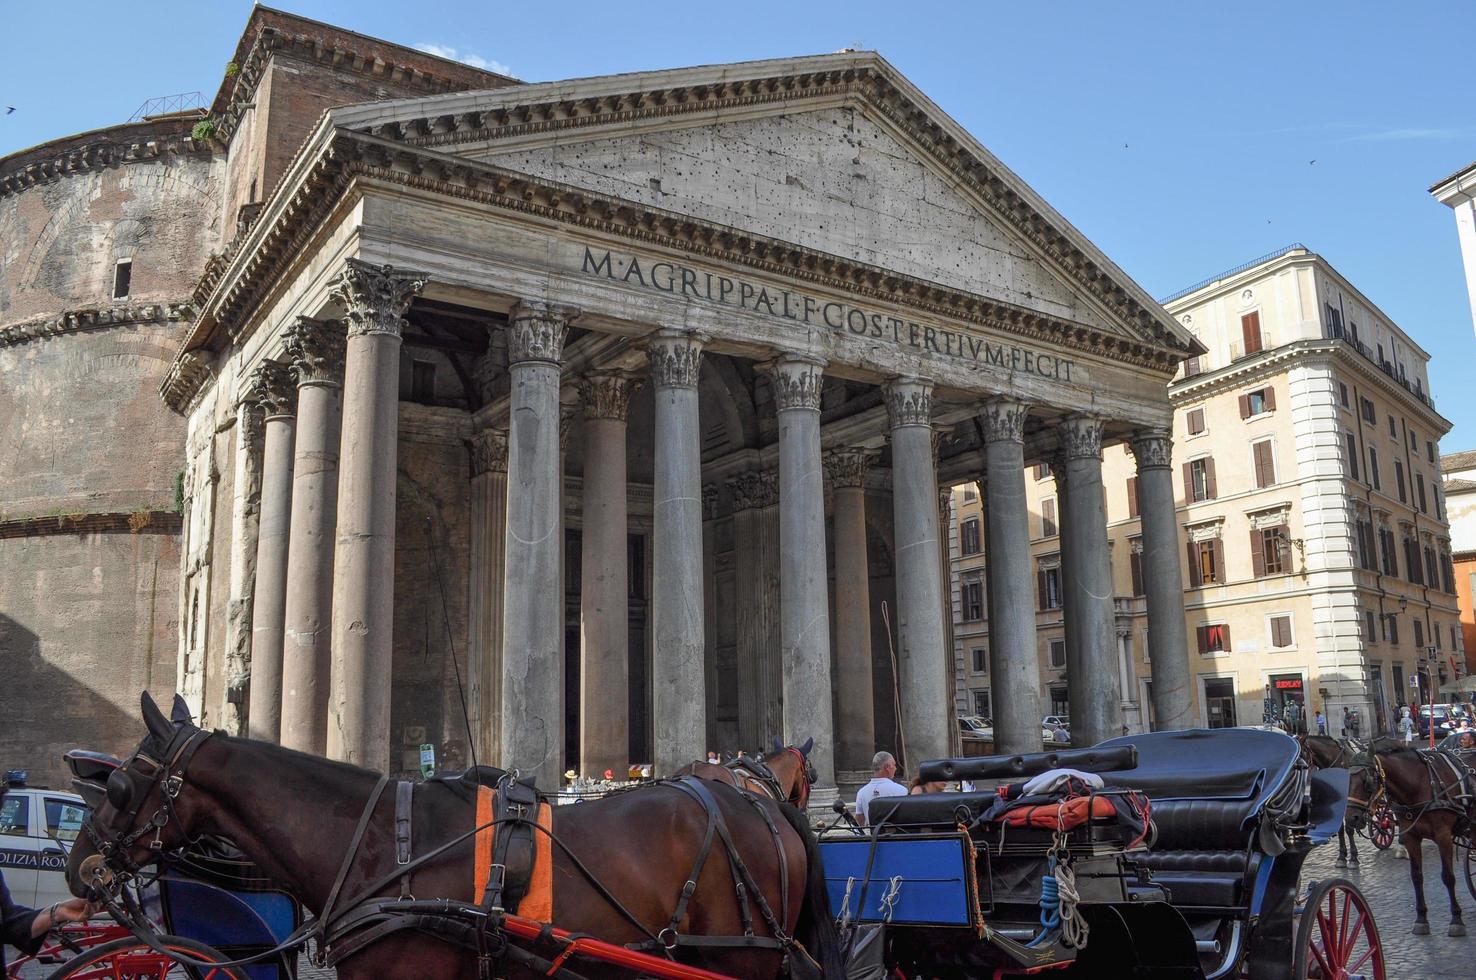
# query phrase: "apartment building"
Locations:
[[1317, 548], [1459, 473]]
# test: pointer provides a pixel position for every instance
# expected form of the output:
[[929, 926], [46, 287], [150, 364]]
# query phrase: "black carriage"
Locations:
[[949, 884]]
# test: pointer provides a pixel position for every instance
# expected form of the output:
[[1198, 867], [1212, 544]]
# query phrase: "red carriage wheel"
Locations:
[[1381, 827], [1336, 935], [130, 959], [1468, 863]]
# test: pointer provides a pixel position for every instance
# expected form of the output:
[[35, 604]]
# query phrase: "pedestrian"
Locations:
[[1345, 722], [883, 768], [1354, 724], [26, 928], [919, 785], [1406, 724], [1293, 716], [712, 758], [1321, 722]]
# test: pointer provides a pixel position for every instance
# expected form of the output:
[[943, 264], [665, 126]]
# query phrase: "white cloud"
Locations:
[[476, 61]]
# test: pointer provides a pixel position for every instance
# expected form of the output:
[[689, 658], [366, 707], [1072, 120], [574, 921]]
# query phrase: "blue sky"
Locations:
[[1180, 137]]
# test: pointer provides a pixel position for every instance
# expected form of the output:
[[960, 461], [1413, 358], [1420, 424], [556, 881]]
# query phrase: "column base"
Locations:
[[822, 799]]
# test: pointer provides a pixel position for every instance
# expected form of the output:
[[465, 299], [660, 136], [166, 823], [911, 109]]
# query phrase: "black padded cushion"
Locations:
[[1202, 824], [1214, 879], [1097, 759], [930, 809]]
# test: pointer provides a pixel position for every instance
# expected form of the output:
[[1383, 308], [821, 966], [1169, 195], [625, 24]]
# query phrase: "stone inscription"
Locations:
[[680, 280]]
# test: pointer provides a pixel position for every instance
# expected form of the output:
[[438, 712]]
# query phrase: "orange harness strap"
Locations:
[[538, 903]]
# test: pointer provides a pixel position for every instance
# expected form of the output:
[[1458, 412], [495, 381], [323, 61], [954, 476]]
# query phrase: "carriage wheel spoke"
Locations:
[[1344, 945], [1367, 955], [1320, 955]]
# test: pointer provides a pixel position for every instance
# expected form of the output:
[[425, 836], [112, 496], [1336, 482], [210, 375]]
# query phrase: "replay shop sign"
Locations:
[[838, 317]]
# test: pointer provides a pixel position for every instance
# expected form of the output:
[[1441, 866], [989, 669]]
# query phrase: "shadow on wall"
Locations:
[[45, 711]]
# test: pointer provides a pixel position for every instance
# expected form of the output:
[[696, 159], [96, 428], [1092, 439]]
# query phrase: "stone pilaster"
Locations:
[[855, 723], [374, 300], [1163, 582], [532, 718], [485, 568], [272, 388], [1014, 666], [922, 661], [756, 540], [1092, 676], [604, 635], [679, 706], [316, 349], [804, 601], [245, 527]]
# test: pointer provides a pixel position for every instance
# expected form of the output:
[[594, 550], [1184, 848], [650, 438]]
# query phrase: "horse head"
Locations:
[[793, 770], [140, 817]]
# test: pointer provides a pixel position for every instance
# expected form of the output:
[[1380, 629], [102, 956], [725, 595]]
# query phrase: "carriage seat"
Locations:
[[930, 809], [1201, 850]]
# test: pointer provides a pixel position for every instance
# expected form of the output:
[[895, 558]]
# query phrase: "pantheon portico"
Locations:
[[624, 405]]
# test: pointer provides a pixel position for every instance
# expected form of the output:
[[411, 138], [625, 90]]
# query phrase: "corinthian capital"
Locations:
[[754, 489], [489, 452], [273, 387], [910, 402], [676, 358], [375, 298], [847, 467], [536, 331], [316, 349], [1081, 437], [606, 394], [796, 381], [1004, 420], [1153, 448]]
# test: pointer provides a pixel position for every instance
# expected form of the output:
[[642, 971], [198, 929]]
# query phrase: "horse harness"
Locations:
[[1455, 795]]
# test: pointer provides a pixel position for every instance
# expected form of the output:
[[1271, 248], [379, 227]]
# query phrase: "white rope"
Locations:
[[894, 885], [845, 918], [1073, 926]]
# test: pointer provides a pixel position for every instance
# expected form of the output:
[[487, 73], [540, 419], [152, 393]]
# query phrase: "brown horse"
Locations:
[[784, 775], [1326, 752], [296, 815], [1426, 792]]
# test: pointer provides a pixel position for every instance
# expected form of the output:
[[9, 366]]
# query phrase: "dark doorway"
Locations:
[[1219, 702]]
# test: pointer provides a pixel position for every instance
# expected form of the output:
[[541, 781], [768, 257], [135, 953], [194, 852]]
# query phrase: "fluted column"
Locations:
[[679, 707], [804, 599], [1093, 685], [604, 628], [316, 349], [756, 542], [245, 524], [374, 300], [1014, 665], [855, 722], [922, 661], [272, 387], [532, 715], [486, 567], [1163, 582]]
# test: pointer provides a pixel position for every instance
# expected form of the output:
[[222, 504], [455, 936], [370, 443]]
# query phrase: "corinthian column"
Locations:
[[756, 567], [487, 564], [923, 662], [245, 523], [1163, 582], [855, 724], [1093, 685], [374, 302], [272, 387], [804, 600], [604, 629], [316, 348], [678, 667], [532, 716], [1014, 667]]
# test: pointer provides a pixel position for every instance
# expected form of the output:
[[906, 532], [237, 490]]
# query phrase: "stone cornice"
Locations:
[[186, 378], [93, 318], [111, 148], [134, 522]]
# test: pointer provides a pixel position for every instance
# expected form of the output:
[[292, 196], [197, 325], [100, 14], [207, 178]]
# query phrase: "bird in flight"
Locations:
[[9, 109]]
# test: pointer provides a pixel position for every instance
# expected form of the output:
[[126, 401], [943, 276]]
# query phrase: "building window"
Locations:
[[1132, 496], [1058, 653], [1386, 552], [1135, 565], [1392, 632], [1048, 586], [969, 536], [969, 495], [1199, 479], [1373, 468], [1048, 517], [1264, 463], [1206, 563], [1192, 367], [1268, 550], [1042, 470], [1352, 455], [1366, 545], [1367, 407], [1432, 575], [1412, 566], [1439, 510], [1250, 332], [981, 662], [122, 278], [1257, 402], [1393, 428], [1059, 703], [1368, 627], [1213, 638], [1343, 394], [1419, 634], [1420, 492], [1430, 451], [1414, 441], [1334, 320], [981, 704], [1196, 421], [1399, 682], [1399, 480], [973, 601], [1281, 632]]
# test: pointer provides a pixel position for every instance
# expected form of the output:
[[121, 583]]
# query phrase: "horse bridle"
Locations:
[[130, 786], [807, 777], [1377, 796]]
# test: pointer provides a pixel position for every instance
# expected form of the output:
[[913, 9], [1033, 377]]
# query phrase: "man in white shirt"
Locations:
[[884, 767]]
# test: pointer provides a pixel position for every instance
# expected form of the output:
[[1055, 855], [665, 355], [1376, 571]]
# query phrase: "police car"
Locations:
[[37, 827]]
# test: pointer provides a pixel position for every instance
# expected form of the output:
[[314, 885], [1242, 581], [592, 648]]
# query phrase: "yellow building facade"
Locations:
[[1316, 545]]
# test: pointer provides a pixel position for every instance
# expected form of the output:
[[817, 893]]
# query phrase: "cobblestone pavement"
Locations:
[[1384, 880]]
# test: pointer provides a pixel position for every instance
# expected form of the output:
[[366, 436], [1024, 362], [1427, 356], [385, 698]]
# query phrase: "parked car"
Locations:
[[37, 827], [1056, 721], [1444, 724]]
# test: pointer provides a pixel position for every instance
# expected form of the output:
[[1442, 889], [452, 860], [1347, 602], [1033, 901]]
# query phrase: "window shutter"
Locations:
[[1201, 637], [1270, 395], [1219, 556], [1250, 332], [1194, 578], [1265, 465], [1040, 586], [1225, 638], [1245, 406], [1188, 484], [1135, 564], [1132, 489], [1258, 554], [1196, 422], [1209, 477], [1048, 517]]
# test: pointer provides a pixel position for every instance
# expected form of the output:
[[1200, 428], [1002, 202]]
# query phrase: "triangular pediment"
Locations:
[[836, 154]]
